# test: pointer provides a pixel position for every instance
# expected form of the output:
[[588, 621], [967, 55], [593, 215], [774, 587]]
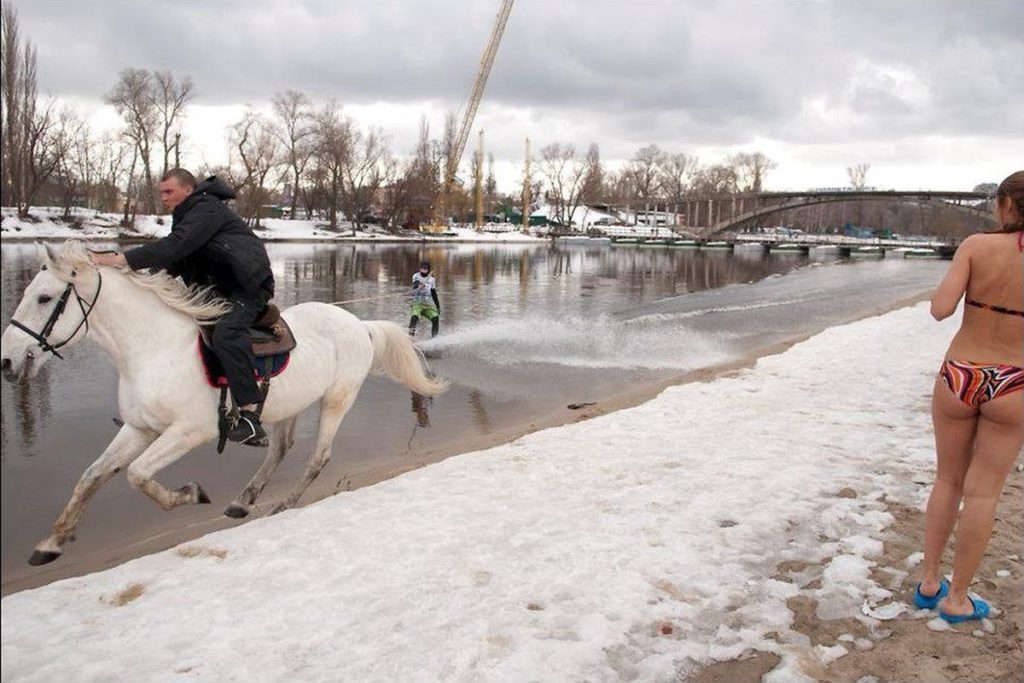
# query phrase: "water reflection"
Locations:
[[420, 407], [475, 282], [481, 418], [32, 400]]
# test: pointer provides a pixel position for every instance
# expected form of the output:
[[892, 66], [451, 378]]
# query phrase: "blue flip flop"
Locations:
[[981, 610], [931, 601]]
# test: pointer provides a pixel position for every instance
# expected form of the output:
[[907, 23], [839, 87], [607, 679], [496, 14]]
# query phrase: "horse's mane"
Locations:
[[199, 303]]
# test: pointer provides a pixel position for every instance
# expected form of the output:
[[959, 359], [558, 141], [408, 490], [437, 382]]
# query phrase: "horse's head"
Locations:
[[52, 313]]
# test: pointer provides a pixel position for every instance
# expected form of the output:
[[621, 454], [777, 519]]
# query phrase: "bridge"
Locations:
[[845, 245], [848, 245], [703, 217]]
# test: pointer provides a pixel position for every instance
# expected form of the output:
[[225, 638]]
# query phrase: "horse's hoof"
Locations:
[[42, 557], [199, 496], [278, 509], [236, 511]]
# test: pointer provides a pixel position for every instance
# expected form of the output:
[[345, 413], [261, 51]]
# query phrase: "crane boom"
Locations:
[[472, 103], [486, 61]]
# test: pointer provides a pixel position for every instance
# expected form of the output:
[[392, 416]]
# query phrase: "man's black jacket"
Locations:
[[209, 245]]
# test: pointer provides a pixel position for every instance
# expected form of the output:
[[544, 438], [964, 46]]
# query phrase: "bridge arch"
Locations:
[[778, 202]]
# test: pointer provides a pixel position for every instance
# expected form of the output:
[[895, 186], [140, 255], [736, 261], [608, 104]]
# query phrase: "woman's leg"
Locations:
[[997, 445], [955, 424]]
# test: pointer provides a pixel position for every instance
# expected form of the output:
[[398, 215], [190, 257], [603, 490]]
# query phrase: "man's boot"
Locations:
[[435, 325], [248, 430], [412, 325]]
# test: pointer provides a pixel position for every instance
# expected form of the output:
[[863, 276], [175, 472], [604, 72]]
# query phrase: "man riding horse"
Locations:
[[211, 246]]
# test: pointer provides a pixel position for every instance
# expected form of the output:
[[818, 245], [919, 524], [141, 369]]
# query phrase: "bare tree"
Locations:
[[12, 104], [296, 135], [367, 167], [131, 186], [644, 174], [258, 153], [334, 142], [594, 180], [29, 155], [677, 171], [715, 180], [750, 170], [133, 99], [111, 162], [48, 136], [412, 197], [490, 185], [72, 141], [858, 175], [620, 186], [565, 173], [170, 96]]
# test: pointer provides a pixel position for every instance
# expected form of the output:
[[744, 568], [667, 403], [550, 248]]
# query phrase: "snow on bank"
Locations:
[[637, 545], [48, 223]]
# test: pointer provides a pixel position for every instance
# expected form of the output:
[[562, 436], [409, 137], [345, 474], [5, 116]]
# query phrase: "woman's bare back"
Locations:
[[995, 281]]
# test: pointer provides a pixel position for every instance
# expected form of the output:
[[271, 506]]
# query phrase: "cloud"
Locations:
[[684, 74]]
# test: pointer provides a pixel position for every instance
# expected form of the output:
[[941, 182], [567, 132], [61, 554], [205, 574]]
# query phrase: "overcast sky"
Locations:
[[929, 92]]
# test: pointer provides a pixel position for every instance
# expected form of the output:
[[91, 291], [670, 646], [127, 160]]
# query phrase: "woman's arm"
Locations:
[[953, 286]]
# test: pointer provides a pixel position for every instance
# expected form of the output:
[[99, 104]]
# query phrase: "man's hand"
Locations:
[[108, 259]]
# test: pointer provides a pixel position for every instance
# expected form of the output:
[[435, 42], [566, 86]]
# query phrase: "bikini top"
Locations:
[[1001, 309], [994, 309]]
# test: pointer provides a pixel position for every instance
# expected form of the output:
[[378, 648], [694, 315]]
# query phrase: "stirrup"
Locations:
[[248, 431]]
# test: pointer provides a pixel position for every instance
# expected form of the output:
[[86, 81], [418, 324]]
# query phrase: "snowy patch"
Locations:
[[85, 224], [913, 560], [885, 612], [588, 552], [827, 655]]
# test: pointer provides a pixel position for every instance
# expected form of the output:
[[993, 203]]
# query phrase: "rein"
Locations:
[[43, 336]]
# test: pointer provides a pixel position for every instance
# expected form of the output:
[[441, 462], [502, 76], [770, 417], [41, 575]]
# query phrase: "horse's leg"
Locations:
[[282, 437], [332, 410], [128, 443], [169, 446]]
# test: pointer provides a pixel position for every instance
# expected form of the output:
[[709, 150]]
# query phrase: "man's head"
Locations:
[[425, 267], [175, 186]]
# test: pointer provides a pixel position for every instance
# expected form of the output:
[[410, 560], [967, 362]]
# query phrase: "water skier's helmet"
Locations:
[[425, 265]]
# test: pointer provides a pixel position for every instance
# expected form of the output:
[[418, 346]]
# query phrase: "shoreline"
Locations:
[[341, 239], [911, 653], [107, 557]]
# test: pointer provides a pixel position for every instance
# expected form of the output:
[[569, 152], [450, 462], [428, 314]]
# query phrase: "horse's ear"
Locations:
[[47, 254]]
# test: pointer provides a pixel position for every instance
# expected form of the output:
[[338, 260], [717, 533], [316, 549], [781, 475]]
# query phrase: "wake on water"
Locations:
[[601, 342], [686, 332]]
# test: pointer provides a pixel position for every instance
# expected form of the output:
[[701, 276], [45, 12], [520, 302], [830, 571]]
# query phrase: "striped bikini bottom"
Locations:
[[976, 383]]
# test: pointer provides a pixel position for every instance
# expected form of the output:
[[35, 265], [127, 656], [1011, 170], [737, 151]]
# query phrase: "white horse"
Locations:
[[149, 324]]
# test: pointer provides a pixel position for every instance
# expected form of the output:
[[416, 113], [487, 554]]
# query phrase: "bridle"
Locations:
[[43, 336]]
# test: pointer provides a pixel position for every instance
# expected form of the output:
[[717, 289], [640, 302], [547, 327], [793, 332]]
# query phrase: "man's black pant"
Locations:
[[234, 350]]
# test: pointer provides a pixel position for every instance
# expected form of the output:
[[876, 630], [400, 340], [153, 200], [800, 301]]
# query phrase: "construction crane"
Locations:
[[468, 114]]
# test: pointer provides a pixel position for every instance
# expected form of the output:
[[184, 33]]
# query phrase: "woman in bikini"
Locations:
[[977, 404]]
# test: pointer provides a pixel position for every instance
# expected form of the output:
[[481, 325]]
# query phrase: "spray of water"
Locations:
[[601, 342]]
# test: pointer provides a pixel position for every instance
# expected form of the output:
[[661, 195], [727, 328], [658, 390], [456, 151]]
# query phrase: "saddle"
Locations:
[[272, 342]]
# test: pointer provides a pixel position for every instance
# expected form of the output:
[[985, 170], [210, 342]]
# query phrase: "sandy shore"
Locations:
[[913, 653]]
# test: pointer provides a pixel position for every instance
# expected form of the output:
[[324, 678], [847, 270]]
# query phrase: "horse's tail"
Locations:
[[395, 355]]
